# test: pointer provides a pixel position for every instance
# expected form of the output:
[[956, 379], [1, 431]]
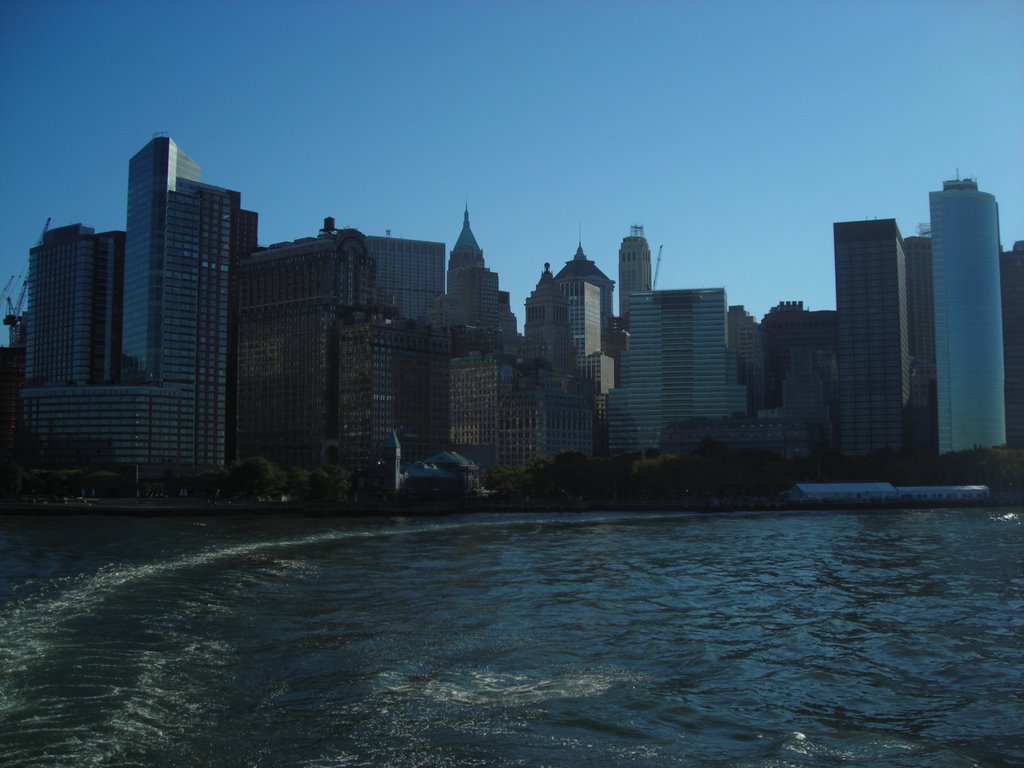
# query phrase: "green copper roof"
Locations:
[[466, 241]]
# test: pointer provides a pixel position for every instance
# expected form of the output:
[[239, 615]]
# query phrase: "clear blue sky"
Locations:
[[736, 132]]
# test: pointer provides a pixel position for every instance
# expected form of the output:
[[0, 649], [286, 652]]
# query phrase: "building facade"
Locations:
[[472, 292], [12, 379], [921, 342], [1011, 277], [547, 332], [181, 245], [293, 299], [634, 267], [747, 340], [542, 420], [874, 358], [676, 368], [74, 311], [968, 317], [573, 279], [393, 377], [410, 273], [477, 384]]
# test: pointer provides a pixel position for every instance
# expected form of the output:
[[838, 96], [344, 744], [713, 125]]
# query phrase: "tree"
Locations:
[[12, 480], [330, 483], [255, 477], [298, 482]]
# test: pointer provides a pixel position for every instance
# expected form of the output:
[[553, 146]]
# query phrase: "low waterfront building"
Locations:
[[790, 438], [885, 493]]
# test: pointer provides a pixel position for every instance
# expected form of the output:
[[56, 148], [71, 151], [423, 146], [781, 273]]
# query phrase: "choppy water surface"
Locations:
[[881, 639]]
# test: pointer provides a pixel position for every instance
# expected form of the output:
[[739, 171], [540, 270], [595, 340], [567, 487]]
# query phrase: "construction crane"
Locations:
[[46, 226], [14, 319], [657, 268], [14, 309], [3, 293]]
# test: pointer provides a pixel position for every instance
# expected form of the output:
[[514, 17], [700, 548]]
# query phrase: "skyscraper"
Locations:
[[874, 361], [578, 272], [153, 173], [547, 332], [968, 317], [747, 339], [676, 367], [75, 307], [472, 297], [409, 272], [790, 326], [1011, 280], [921, 342], [293, 299], [634, 267], [174, 410], [393, 379]]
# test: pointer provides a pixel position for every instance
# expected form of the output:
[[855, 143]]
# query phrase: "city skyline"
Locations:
[[736, 135]]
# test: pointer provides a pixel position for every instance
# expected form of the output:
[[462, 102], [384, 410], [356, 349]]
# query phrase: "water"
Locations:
[[862, 639]]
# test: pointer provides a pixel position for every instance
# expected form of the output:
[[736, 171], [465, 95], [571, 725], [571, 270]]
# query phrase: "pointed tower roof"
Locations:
[[580, 267], [547, 290], [466, 241]]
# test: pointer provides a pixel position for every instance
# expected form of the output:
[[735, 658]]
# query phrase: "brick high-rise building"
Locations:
[[293, 299]]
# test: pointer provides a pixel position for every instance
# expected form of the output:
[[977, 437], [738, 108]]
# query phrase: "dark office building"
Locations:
[[393, 378], [874, 359], [472, 297], [747, 340], [293, 299], [74, 310], [12, 378], [410, 273], [924, 435], [789, 326], [1011, 276]]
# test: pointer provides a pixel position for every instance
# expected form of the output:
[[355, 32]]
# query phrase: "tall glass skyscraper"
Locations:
[[676, 367], [174, 408], [968, 317], [153, 173]]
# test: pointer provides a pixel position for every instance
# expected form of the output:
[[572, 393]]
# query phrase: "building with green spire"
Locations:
[[472, 288]]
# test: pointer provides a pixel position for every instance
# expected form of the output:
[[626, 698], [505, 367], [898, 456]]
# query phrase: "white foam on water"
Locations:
[[487, 688]]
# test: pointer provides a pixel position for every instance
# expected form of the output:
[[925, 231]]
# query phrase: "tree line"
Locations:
[[713, 470], [254, 478]]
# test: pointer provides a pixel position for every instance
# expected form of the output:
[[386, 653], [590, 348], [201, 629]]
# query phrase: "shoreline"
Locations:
[[447, 507]]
